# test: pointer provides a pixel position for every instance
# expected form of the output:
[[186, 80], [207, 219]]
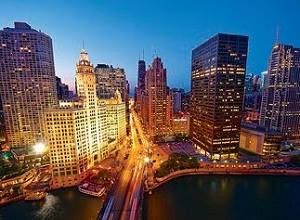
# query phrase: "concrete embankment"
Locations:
[[188, 172]]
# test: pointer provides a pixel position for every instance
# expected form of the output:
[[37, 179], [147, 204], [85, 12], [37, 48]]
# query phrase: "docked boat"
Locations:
[[33, 196], [89, 189]]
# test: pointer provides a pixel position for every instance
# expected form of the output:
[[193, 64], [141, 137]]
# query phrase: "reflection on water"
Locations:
[[49, 209], [62, 204], [225, 198]]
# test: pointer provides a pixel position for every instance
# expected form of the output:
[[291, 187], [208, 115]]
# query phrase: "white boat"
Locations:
[[83, 188]]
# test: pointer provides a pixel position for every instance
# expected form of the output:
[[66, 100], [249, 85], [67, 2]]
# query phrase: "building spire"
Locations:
[[84, 56], [277, 35]]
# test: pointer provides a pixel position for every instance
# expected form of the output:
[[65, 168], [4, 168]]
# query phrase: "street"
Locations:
[[123, 204]]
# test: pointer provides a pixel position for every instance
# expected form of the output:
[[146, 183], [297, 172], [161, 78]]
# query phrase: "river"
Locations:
[[192, 197], [225, 198], [62, 204]]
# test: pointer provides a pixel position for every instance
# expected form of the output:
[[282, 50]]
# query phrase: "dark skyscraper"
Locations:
[[109, 80], [2, 127], [27, 82], [177, 94], [218, 74], [63, 92], [141, 84], [280, 110]]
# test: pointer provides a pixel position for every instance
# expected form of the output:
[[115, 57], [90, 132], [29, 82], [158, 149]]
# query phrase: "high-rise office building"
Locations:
[[185, 102], [63, 92], [157, 101], [218, 74], [109, 80], [177, 99], [280, 110], [141, 85], [76, 132], [2, 126], [27, 83], [252, 97]]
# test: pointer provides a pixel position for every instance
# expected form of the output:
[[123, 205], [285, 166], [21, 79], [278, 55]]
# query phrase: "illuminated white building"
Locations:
[[116, 118], [76, 132]]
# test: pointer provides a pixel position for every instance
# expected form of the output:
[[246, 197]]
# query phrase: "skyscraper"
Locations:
[[141, 84], [76, 132], [27, 82], [157, 101], [177, 99], [63, 92], [280, 109], [2, 126], [109, 80], [218, 74]]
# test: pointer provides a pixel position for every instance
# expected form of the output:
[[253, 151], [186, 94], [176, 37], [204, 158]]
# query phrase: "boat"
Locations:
[[33, 196], [84, 188]]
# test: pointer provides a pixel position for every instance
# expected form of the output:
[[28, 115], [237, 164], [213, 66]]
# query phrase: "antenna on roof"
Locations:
[[82, 44], [143, 54], [277, 34]]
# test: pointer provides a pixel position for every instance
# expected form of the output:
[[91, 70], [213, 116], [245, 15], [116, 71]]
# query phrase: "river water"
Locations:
[[62, 204], [225, 197], [192, 197]]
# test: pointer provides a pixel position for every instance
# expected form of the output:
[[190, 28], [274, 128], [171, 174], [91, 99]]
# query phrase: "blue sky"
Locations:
[[116, 32]]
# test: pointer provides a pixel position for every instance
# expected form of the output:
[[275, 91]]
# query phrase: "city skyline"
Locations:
[[117, 34], [150, 110]]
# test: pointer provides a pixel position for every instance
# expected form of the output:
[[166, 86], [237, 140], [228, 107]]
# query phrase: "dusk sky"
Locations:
[[116, 32]]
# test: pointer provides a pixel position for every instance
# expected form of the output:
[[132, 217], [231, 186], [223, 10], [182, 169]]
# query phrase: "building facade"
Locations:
[[27, 83], [218, 74], [109, 80], [177, 99], [63, 92], [116, 118], [76, 132], [157, 101], [280, 109], [181, 124], [140, 89], [258, 140], [2, 125], [252, 97]]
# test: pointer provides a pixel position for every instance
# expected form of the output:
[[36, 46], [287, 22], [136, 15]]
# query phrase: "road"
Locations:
[[124, 202]]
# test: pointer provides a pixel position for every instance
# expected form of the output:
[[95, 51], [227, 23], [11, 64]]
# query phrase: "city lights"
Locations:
[[146, 159], [39, 148]]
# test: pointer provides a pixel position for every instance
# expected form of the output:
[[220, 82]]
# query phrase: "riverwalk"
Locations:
[[219, 171]]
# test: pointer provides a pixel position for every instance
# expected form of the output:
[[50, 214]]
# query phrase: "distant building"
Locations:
[[157, 101], [252, 97], [76, 132], [177, 99], [181, 124], [185, 102], [218, 74], [116, 118], [140, 89], [2, 125], [27, 83], [63, 92], [109, 80], [259, 140], [280, 110]]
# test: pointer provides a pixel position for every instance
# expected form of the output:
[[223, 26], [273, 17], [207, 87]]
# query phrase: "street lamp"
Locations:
[[147, 159], [39, 148]]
